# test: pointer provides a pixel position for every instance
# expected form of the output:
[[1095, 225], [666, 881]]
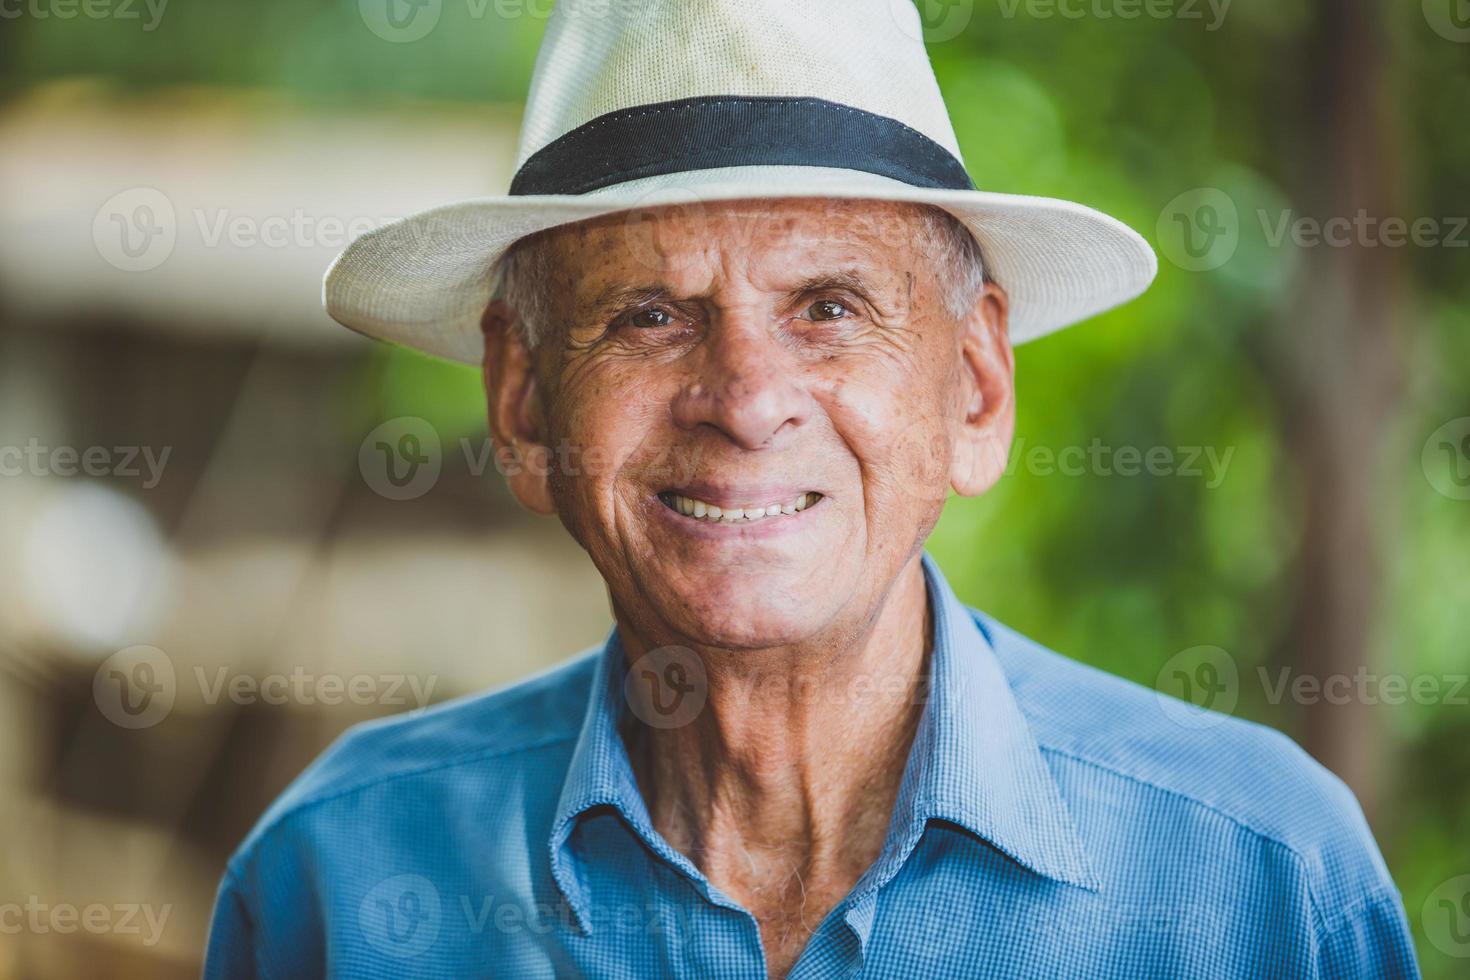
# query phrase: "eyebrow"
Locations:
[[847, 279], [626, 296]]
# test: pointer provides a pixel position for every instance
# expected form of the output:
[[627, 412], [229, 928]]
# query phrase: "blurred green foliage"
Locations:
[[1123, 115]]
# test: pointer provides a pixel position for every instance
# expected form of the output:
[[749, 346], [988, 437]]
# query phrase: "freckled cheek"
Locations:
[[875, 413], [896, 423], [607, 425]]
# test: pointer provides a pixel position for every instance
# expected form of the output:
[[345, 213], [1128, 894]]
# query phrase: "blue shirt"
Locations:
[[1052, 821]]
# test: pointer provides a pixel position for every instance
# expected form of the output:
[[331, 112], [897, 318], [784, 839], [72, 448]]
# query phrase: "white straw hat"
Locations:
[[637, 103]]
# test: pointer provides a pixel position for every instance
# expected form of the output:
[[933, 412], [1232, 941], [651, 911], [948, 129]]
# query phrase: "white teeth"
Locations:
[[701, 511]]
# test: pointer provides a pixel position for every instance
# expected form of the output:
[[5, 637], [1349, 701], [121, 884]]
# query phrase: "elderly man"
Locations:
[[743, 280]]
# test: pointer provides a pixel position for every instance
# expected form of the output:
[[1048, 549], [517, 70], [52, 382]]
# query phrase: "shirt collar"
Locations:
[[974, 763], [600, 776]]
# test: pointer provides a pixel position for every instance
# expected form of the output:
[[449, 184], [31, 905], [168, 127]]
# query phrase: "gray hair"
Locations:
[[524, 273]]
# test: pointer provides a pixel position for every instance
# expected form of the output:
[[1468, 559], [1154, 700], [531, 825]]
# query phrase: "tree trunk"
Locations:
[[1338, 354]]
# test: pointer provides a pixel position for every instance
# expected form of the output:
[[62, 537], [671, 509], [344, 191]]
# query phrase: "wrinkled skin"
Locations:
[[751, 351], [747, 353]]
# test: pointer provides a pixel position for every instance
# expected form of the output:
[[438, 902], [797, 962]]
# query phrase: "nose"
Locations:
[[747, 386]]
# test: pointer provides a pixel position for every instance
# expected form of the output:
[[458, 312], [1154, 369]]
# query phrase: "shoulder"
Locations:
[[512, 723], [1185, 758]]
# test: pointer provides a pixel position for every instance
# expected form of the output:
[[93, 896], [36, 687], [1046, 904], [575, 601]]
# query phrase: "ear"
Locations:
[[514, 409], [985, 430]]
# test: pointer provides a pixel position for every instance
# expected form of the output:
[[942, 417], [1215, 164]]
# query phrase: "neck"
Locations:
[[787, 777]]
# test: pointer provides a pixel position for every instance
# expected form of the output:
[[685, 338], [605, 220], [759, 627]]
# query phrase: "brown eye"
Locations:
[[826, 309], [650, 317]]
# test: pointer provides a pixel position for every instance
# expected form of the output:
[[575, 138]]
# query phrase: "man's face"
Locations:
[[788, 364]]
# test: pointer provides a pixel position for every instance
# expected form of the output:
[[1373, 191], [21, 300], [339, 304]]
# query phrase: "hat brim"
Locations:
[[424, 281]]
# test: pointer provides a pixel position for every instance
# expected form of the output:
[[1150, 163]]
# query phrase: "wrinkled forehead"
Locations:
[[760, 237]]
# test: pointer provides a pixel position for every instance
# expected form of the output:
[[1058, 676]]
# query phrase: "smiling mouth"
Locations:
[[700, 510]]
